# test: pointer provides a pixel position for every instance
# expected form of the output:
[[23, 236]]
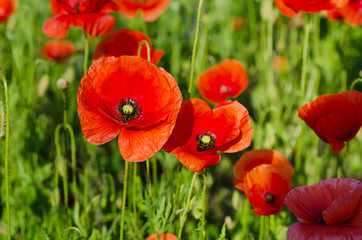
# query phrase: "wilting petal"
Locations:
[[308, 203], [316, 232]]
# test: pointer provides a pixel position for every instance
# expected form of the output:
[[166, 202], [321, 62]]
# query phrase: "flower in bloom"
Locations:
[[265, 177], [201, 131], [91, 15], [7, 7], [226, 79], [351, 13], [335, 118], [130, 97], [150, 9], [126, 42], [58, 50], [291, 7], [330, 209], [164, 236]]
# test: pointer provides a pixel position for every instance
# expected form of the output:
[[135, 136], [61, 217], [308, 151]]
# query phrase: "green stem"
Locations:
[[148, 49], [261, 230], [7, 134], [86, 52], [304, 60], [124, 198], [73, 157], [358, 80], [154, 171], [60, 156], [194, 49], [174, 204], [85, 187], [187, 207], [134, 186], [266, 227], [202, 233], [150, 187]]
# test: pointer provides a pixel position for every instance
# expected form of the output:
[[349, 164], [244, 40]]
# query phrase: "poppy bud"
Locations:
[[62, 84]]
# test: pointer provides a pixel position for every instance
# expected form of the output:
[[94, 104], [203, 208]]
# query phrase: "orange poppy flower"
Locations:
[[265, 177], [130, 97], [330, 209], [126, 42], [164, 236], [291, 7], [7, 7], [91, 15], [58, 50], [201, 131], [351, 13], [150, 9], [226, 79], [335, 118]]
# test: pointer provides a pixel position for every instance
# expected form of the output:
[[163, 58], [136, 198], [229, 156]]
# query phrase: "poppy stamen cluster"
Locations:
[[206, 141], [269, 198], [128, 109]]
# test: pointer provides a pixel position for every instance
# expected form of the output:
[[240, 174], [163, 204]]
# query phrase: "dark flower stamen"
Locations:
[[128, 109], [205, 141], [269, 198]]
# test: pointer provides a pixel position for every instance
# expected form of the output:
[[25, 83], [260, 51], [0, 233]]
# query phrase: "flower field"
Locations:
[[170, 119]]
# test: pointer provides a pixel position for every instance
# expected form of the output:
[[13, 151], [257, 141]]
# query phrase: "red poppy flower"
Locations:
[[7, 7], [126, 42], [265, 177], [130, 97], [150, 9], [291, 7], [351, 13], [91, 15], [164, 236], [58, 50], [335, 118], [330, 209], [226, 79], [201, 131]]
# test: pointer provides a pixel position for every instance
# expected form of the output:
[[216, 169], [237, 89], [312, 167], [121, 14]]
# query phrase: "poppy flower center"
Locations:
[[205, 141], [224, 89], [269, 198], [128, 109]]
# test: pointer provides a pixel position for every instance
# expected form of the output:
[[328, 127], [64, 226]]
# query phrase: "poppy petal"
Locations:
[[338, 186], [164, 236], [307, 203], [264, 180], [238, 114], [95, 24], [157, 55], [343, 208], [316, 232], [189, 160]]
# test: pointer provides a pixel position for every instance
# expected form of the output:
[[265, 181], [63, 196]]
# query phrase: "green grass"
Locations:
[[38, 209]]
